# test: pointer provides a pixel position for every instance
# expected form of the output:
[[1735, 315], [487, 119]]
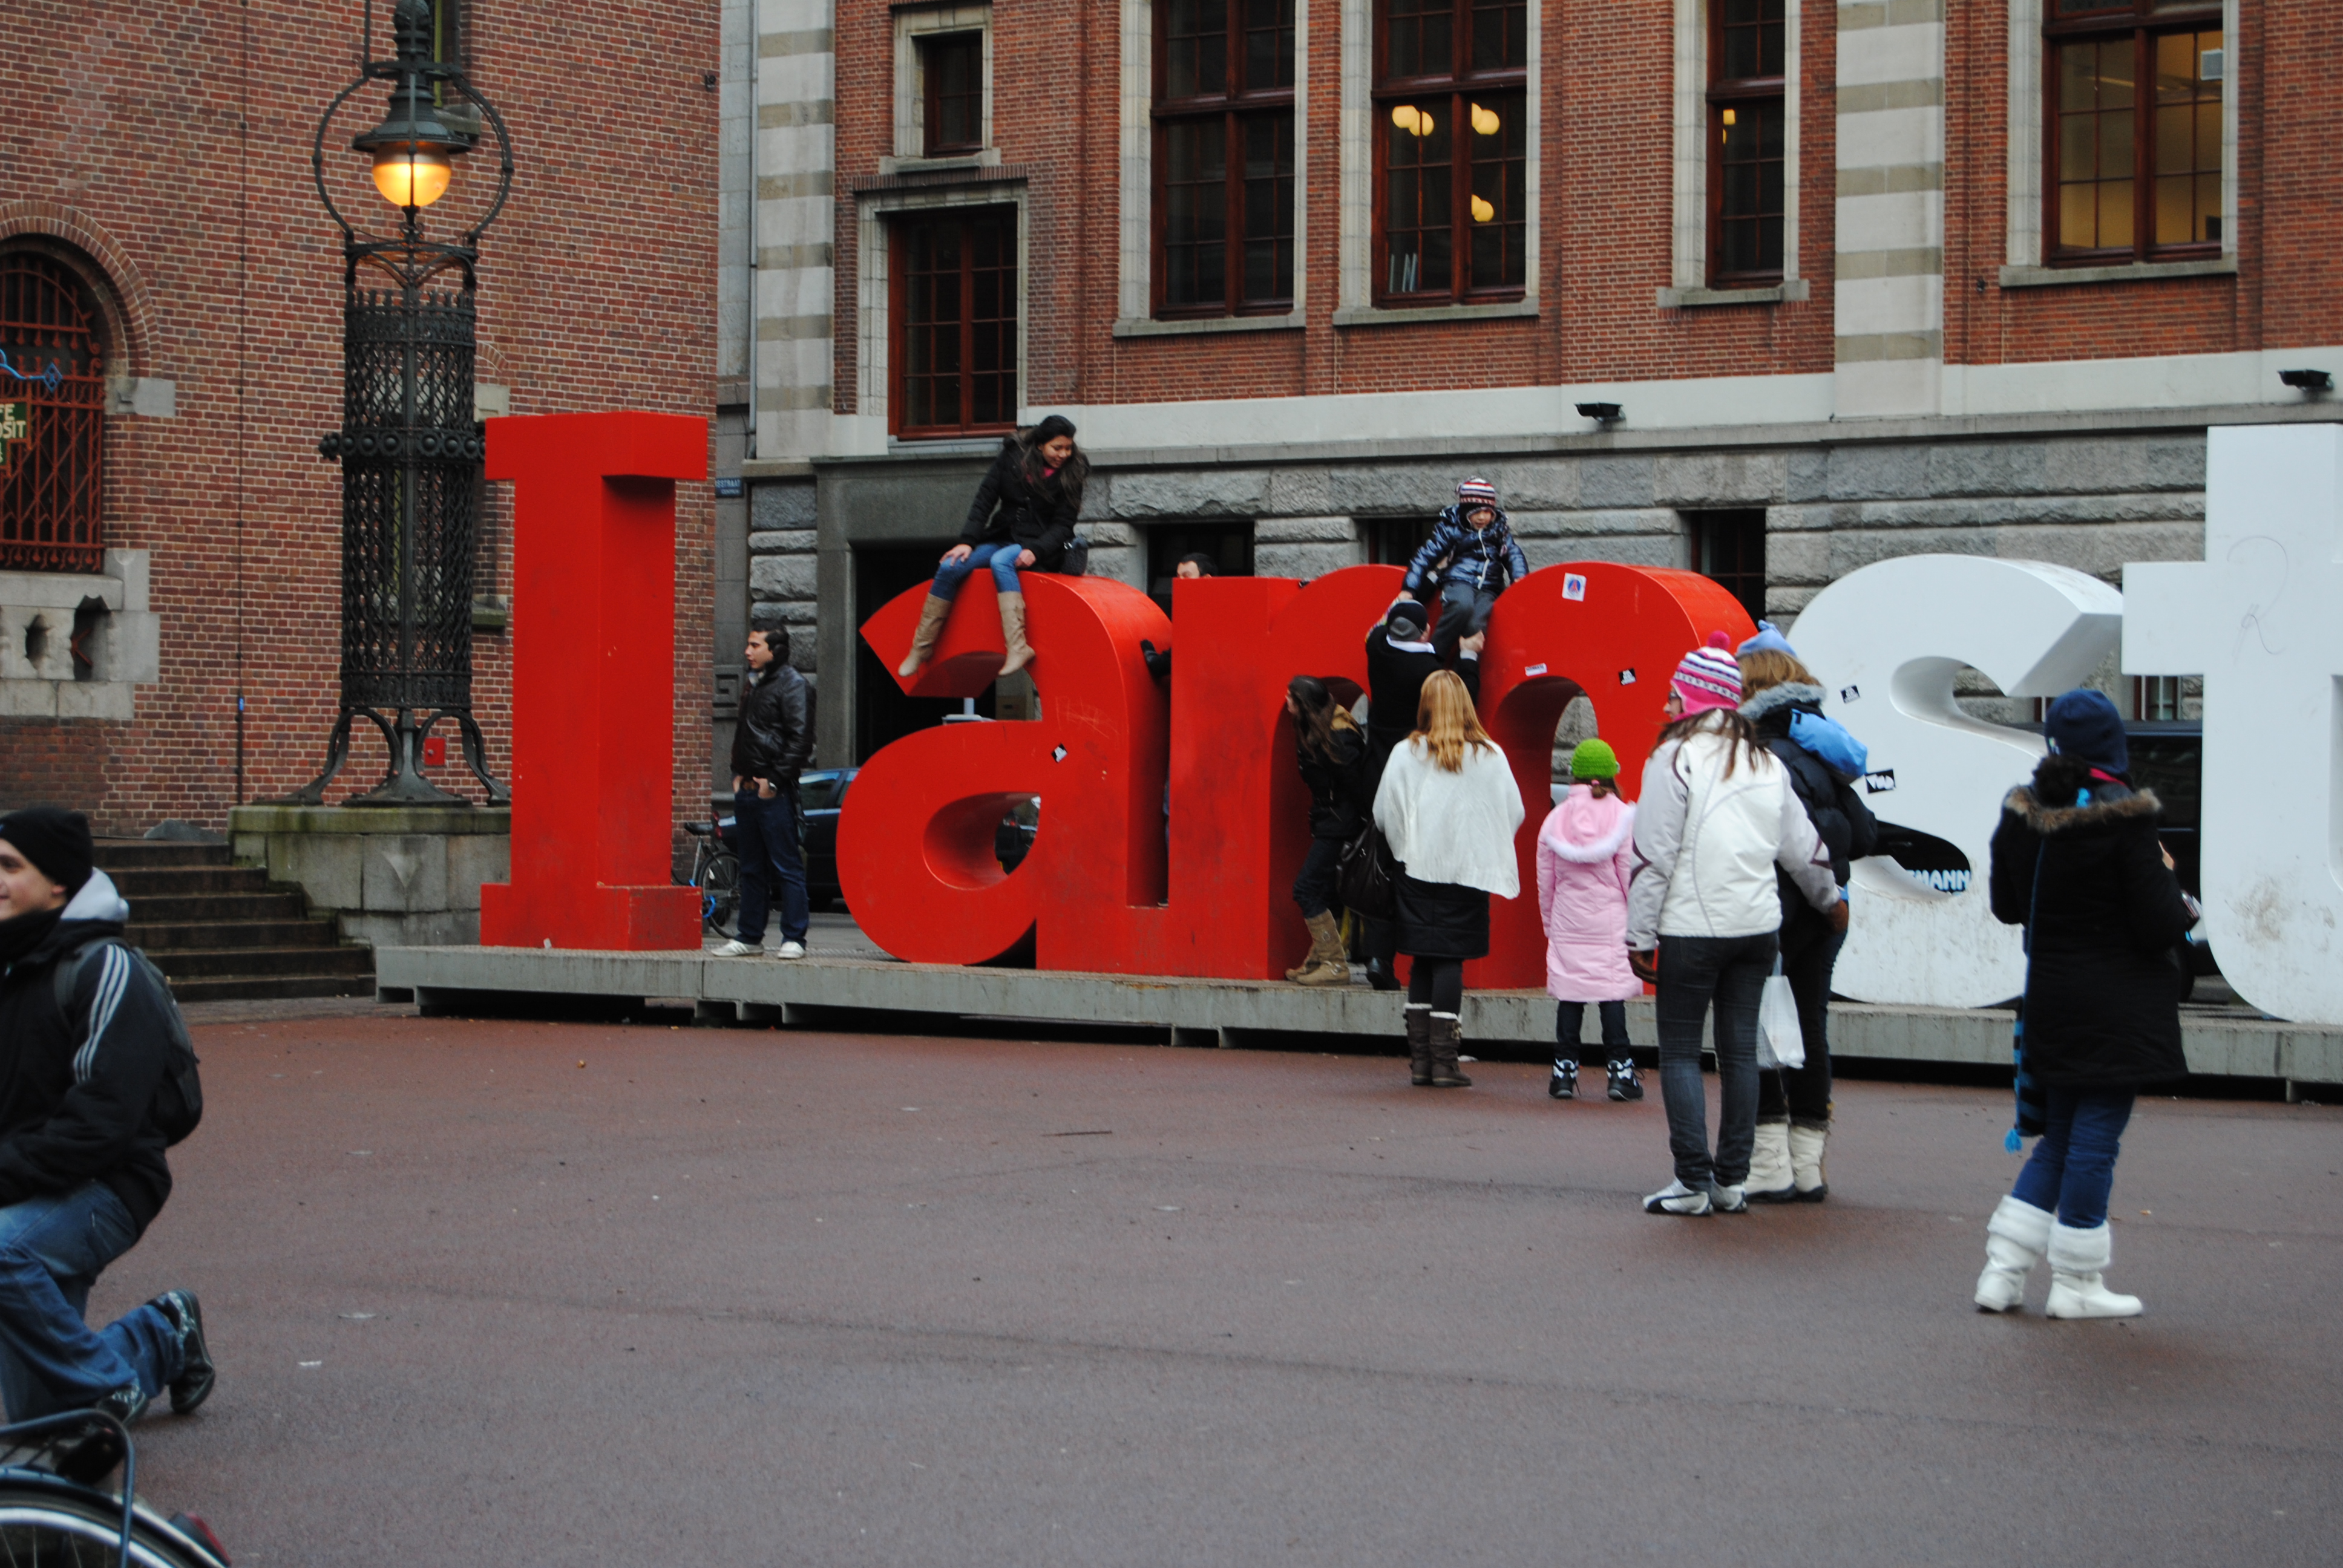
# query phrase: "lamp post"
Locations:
[[409, 445]]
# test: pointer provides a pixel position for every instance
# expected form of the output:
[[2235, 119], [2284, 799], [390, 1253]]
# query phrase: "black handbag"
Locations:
[[1366, 877]]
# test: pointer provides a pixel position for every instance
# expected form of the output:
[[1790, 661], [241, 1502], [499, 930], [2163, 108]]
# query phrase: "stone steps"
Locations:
[[222, 932]]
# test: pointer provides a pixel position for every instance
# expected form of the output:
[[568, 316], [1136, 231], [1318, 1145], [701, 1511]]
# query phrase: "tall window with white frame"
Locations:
[[1223, 157], [952, 282], [2133, 149], [1748, 124], [1451, 151]]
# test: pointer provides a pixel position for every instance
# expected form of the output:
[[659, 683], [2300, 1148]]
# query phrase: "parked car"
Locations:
[[820, 794]]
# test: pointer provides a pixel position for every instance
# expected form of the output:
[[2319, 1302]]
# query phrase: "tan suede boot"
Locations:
[[1327, 964], [1419, 1044], [1013, 632], [923, 641]]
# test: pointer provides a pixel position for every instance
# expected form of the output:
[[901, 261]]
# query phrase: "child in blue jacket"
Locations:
[[1472, 557]]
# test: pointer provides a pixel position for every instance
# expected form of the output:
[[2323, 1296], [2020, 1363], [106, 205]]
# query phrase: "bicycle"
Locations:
[[716, 872], [54, 1513]]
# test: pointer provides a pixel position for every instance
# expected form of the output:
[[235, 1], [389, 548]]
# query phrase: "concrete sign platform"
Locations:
[[764, 991]]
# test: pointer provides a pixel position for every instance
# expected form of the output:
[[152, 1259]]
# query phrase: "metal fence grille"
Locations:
[[53, 389]]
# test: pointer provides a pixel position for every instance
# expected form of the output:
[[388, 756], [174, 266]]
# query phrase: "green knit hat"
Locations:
[[1593, 759]]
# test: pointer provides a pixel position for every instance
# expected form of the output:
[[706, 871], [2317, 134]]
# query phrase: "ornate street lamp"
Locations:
[[409, 445]]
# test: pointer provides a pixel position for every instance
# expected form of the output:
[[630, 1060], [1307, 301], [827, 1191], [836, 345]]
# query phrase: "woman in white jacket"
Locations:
[[1715, 816], [1449, 807]]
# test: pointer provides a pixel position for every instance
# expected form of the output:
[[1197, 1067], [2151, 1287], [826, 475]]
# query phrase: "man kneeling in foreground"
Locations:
[[82, 1127]]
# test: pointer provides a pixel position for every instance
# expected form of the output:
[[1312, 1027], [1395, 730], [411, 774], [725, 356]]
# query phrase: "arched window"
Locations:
[[52, 416]]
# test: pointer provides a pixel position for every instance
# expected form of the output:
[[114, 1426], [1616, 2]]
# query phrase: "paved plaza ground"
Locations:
[[570, 1293]]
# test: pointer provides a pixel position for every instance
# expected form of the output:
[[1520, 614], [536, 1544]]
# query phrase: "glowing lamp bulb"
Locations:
[[411, 174], [1482, 211], [1411, 119], [1485, 121]]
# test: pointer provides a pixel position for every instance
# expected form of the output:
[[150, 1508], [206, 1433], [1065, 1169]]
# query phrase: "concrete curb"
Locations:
[[1224, 1012]]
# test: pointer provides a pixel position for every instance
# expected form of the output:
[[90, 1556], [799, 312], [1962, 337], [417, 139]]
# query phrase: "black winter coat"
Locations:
[[1395, 676], [1846, 825], [1037, 514], [774, 738], [1339, 802], [77, 1090], [2103, 915]]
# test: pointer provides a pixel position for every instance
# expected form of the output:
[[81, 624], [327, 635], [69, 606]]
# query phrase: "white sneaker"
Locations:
[[1730, 1200], [790, 950], [1676, 1197], [737, 948]]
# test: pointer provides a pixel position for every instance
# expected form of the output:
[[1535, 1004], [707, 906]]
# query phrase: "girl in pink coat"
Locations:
[[1585, 854]]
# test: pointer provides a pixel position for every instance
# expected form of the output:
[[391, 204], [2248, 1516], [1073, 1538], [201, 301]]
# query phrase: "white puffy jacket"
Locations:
[[1707, 842]]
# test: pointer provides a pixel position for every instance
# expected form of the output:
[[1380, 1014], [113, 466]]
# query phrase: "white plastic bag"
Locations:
[[1780, 1043]]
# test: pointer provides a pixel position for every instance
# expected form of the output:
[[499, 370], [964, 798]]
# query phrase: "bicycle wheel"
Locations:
[[718, 882], [43, 1532]]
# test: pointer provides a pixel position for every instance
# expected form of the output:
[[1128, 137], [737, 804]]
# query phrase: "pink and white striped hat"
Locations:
[[1708, 676]]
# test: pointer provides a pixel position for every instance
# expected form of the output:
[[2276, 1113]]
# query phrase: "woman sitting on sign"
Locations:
[[1448, 808], [1022, 518]]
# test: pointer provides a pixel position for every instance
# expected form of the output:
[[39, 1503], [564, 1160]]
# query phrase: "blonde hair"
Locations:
[[1767, 666], [1446, 723]]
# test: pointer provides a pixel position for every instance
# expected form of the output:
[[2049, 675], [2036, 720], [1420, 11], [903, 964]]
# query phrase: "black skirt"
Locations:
[[1441, 919]]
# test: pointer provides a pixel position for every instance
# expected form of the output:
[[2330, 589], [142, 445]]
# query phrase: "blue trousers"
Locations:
[[772, 862], [2073, 1167], [1001, 558], [52, 1249]]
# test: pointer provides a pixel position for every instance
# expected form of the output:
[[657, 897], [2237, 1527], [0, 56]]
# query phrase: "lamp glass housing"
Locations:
[[411, 174]]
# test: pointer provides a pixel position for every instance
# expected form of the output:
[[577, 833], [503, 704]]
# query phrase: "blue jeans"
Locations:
[[52, 1249], [1001, 558], [771, 861], [2073, 1168], [1693, 971]]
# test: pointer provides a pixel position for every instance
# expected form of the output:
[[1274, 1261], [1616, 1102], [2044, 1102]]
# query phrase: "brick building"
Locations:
[[1894, 277], [160, 236]]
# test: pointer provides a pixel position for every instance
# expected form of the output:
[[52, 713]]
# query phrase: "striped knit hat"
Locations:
[[1475, 493], [1708, 676]]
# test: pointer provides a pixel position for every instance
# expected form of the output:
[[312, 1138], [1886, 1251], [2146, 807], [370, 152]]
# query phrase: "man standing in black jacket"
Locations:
[[82, 1172], [771, 746]]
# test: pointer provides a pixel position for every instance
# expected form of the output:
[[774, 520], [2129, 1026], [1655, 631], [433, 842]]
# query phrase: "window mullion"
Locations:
[[967, 324], [2143, 143], [1233, 209]]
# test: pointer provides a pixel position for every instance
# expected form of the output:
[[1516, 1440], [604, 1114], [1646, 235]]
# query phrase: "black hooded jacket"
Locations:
[[1035, 513], [1396, 672], [78, 1089], [2103, 915]]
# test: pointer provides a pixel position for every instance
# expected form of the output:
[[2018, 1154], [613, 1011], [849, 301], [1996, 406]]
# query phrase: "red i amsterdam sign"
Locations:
[[1111, 885]]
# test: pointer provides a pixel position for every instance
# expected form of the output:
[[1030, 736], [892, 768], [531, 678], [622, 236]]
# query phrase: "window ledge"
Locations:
[[1131, 327], [2133, 272], [1782, 293], [1370, 316], [989, 158]]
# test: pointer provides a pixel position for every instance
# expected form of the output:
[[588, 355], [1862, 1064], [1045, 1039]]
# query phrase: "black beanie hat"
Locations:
[[56, 843], [1406, 619], [2083, 723]]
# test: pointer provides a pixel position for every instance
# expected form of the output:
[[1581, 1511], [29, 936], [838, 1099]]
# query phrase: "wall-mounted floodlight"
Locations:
[[1601, 413], [2308, 380]]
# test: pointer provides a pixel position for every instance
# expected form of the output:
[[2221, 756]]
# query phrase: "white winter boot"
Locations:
[[1769, 1165], [1807, 1162], [2077, 1258], [2014, 1239]]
